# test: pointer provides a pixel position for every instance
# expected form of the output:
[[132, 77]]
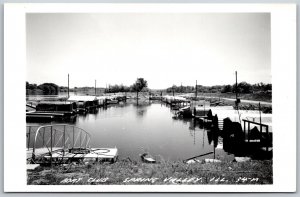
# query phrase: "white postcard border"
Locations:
[[283, 35]]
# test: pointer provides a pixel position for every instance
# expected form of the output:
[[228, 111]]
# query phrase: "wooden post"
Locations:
[[260, 118], [29, 137], [267, 145], [213, 138], [244, 130], [248, 131]]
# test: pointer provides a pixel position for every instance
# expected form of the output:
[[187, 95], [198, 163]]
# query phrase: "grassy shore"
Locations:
[[165, 172]]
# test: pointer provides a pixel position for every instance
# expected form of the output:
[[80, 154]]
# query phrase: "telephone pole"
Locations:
[[95, 88], [236, 87], [68, 87], [196, 89]]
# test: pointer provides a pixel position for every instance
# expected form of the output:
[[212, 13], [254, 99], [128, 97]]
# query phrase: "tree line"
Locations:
[[45, 88], [139, 85], [242, 87], [53, 89], [142, 85]]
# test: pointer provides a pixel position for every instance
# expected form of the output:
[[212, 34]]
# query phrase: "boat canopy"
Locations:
[[56, 106]]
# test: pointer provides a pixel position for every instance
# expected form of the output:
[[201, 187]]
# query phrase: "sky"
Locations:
[[163, 48]]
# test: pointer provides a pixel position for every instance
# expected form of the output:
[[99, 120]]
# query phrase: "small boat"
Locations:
[[184, 112], [147, 158], [112, 101]]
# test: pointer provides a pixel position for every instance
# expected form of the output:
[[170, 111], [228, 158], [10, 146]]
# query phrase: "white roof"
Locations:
[[175, 98], [82, 98], [101, 97]]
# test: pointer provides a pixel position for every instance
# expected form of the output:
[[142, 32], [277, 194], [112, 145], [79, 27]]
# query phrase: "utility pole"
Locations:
[[95, 88], [68, 87], [236, 87], [236, 96], [260, 117], [196, 89]]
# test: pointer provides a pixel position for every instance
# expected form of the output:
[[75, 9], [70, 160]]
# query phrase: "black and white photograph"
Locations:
[[148, 98]]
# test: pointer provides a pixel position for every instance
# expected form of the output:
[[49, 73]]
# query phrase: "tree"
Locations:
[[245, 87], [49, 88], [226, 88], [139, 85]]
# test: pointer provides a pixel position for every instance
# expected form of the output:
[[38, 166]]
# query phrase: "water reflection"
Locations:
[[141, 108]]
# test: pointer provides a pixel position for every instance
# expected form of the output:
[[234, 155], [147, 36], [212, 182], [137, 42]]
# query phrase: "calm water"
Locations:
[[150, 127]]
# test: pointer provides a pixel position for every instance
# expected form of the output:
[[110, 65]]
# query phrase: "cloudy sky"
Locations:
[[165, 49]]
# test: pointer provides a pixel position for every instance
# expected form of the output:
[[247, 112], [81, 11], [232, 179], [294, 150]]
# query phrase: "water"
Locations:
[[148, 126]]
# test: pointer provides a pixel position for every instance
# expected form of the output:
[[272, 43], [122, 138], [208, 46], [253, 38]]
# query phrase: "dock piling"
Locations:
[[29, 136]]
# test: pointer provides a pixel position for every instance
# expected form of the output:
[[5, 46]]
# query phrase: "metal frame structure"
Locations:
[[56, 137]]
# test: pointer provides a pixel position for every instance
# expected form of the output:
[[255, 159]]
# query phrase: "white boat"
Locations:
[[147, 158]]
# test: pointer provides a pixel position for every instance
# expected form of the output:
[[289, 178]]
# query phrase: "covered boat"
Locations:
[[84, 103], [52, 110]]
